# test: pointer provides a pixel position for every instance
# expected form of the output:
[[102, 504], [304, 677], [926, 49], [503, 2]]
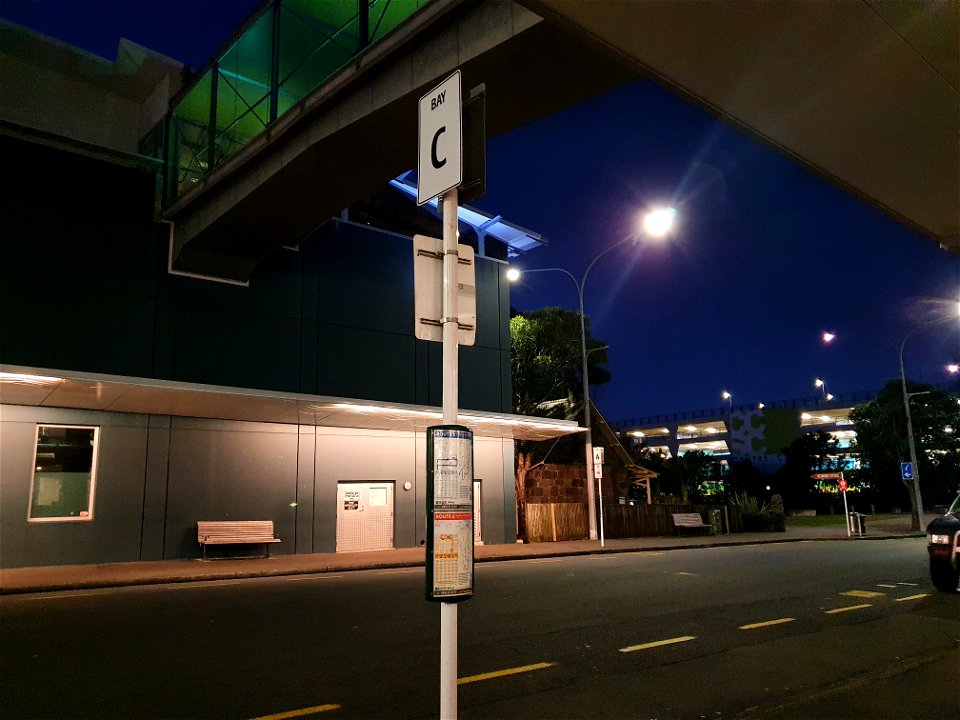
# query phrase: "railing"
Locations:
[[288, 48]]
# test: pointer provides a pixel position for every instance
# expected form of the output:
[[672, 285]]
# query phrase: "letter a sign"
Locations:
[[440, 147]]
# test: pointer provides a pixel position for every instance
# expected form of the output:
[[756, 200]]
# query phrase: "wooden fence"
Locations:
[[548, 522]]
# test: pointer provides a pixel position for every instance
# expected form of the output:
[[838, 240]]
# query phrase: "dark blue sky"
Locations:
[[766, 255]]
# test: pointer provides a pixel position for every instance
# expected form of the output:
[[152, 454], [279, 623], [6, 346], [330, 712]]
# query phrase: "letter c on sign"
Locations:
[[437, 162]]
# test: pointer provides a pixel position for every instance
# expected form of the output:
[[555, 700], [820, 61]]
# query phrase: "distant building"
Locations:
[[742, 433]]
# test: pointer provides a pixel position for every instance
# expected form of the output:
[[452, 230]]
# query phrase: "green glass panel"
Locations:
[[385, 15], [243, 88], [189, 134], [316, 39]]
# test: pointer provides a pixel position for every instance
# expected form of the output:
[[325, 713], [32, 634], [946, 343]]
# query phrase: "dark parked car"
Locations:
[[943, 545]]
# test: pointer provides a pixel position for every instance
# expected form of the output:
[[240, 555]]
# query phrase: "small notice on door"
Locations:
[[351, 500], [453, 553]]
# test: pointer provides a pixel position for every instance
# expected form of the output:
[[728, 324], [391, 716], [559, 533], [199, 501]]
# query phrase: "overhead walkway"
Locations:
[[312, 106]]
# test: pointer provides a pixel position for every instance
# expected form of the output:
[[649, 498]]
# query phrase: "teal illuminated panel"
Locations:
[[316, 39], [385, 15], [231, 103], [243, 89], [188, 139]]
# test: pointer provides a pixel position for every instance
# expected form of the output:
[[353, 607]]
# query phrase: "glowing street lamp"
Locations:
[[822, 384], [656, 224]]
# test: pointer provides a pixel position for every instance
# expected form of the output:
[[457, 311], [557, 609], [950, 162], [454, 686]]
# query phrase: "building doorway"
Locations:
[[364, 516]]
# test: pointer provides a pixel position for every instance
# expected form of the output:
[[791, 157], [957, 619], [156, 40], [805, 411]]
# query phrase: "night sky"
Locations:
[[765, 256]]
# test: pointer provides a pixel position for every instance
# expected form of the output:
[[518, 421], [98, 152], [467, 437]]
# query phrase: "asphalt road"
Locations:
[[798, 630]]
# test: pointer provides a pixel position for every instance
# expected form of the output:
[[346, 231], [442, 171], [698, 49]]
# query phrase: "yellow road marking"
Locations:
[[546, 560], [912, 597], [402, 571], [686, 573], [299, 713], [766, 623], [504, 673], [863, 593], [846, 609], [658, 643], [641, 552]]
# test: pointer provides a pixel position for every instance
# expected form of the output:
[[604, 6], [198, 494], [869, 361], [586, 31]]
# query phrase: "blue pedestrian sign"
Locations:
[[906, 471]]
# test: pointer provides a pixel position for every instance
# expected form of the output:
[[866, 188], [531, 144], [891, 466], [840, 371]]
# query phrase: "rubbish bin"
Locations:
[[858, 523], [716, 524]]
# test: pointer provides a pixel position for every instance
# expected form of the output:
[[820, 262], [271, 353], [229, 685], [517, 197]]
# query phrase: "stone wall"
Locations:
[[556, 484]]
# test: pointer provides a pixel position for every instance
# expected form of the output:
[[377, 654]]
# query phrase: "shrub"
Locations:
[[764, 521]]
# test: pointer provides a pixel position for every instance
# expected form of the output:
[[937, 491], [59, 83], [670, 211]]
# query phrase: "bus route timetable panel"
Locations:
[[449, 576]]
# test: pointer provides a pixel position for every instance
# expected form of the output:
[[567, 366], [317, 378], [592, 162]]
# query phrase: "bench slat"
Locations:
[[688, 520], [222, 532]]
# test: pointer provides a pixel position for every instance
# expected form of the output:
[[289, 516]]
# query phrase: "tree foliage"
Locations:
[[546, 363], [680, 476], [881, 427]]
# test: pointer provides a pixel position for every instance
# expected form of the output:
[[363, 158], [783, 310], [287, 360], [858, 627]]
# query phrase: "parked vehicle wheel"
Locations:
[[945, 577]]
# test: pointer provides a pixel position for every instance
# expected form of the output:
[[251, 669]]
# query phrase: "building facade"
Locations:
[[135, 402]]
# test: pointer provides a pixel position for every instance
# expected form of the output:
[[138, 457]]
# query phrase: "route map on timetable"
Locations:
[[453, 469], [453, 554]]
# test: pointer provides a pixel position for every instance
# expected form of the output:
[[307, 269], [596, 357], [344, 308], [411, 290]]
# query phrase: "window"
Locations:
[[64, 473]]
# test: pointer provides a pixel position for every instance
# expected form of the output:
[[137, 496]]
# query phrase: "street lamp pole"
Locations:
[[656, 223], [911, 445], [588, 437]]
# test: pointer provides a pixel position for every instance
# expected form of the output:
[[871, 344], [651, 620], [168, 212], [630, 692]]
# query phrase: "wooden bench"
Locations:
[[236, 532], [688, 520]]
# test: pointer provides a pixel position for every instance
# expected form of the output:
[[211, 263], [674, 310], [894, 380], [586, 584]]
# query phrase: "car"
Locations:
[[943, 547]]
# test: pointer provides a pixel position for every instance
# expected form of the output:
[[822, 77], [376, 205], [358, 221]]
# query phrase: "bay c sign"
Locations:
[[440, 140]]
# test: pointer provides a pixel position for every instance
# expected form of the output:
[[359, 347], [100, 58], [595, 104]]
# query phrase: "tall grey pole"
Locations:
[[910, 442], [448, 611]]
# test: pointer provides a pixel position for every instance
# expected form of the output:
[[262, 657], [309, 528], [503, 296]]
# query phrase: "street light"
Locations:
[[822, 384], [656, 223]]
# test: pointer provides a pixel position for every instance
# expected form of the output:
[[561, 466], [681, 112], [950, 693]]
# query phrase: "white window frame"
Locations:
[[94, 462]]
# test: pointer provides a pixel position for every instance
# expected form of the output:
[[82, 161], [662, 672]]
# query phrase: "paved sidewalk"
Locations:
[[73, 577]]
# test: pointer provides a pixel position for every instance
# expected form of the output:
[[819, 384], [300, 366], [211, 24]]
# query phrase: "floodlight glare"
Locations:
[[828, 337], [657, 223], [513, 274]]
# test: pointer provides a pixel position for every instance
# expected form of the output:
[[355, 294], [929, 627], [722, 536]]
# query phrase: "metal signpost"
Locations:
[[842, 486], [598, 476], [450, 502]]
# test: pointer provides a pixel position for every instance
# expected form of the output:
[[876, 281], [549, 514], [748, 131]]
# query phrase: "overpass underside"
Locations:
[[864, 94]]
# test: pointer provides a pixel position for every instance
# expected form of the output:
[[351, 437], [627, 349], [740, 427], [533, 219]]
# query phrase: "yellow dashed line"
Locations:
[[846, 609], [504, 673], [863, 593], [912, 597], [766, 623], [658, 643], [299, 713]]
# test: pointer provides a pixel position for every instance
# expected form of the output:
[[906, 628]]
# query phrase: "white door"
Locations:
[[364, 516]]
